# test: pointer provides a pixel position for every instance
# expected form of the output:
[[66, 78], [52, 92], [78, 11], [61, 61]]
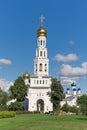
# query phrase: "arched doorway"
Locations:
[[40, 105]]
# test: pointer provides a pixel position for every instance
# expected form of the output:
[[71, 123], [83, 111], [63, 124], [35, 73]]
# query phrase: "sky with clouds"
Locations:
[[66, 24]]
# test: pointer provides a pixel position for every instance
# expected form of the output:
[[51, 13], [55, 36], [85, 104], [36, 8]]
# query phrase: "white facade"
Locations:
[[40, 82], [71, 95]]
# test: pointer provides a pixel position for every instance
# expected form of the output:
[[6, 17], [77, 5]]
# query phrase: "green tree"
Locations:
[[65, 108], [56, 93], [82, 102], [74, 109], [3, 97], [68, 108], [15, 106], [3, 100], [19, 89]]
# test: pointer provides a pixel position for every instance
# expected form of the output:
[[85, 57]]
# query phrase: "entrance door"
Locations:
[[40, 105]]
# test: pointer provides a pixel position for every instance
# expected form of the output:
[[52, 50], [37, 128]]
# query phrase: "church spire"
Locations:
[[42, 18], [41, 31], [41, 61]]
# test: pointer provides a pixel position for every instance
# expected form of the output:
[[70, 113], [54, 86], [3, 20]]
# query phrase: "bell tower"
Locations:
[[41, 62], [40, 81]]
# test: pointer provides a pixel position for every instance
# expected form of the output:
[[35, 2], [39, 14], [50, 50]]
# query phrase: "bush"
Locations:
[[16, 106], [74, 109], [68, 108], [7, 114], [83, 109], [65, 108]]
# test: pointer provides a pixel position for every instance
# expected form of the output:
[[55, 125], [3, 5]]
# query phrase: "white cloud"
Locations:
[[68, 70], [5, 85], [66, 81], [71, 42], [67, 58], [5, 61]]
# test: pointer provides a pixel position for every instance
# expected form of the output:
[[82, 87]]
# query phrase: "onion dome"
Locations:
[[74, 89], [41, 32], [68, 89], [26, 75], [79, 89]]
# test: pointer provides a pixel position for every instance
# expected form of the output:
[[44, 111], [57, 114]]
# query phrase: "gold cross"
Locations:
[[42, 20]]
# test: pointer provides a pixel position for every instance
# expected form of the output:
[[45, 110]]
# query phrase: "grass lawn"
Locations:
[[44, 122]]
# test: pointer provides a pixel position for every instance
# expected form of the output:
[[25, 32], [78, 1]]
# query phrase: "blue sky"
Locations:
[[66, 24]]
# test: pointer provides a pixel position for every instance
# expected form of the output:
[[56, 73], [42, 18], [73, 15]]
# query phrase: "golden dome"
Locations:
[[26, 75], [41, 31]]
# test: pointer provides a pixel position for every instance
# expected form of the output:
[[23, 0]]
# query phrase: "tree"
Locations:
[[72, 109], [3, 97], [19, 89], [65, 108], [3, 100], [82, 102], [56, 93], [15, 106]]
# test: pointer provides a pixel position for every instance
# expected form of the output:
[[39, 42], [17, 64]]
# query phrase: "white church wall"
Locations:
[[35, 95], [40, 82]]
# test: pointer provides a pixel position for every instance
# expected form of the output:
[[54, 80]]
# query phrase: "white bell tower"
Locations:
[[41, 62], [40, 82]]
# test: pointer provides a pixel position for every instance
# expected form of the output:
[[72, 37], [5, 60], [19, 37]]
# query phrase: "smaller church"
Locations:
[[71, 95], [39, 84]]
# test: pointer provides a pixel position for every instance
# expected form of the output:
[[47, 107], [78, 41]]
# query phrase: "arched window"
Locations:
[[43, 81], [45, 67], [41, 42], [40, 53], [40, 67]]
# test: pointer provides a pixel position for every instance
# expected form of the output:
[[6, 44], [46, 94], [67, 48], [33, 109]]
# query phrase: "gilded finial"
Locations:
[[41, 31]]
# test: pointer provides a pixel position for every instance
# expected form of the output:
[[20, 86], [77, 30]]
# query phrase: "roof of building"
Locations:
[[70, 98], [41, 31], [26, 75]]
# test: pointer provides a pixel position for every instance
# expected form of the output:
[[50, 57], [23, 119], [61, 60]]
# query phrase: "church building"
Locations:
[[71, 95], [39, 84]]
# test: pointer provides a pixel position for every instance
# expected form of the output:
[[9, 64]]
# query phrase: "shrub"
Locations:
[[15, 106], [74, 109], [65, 108], [68, 108], [83, 109], [7, 114]]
